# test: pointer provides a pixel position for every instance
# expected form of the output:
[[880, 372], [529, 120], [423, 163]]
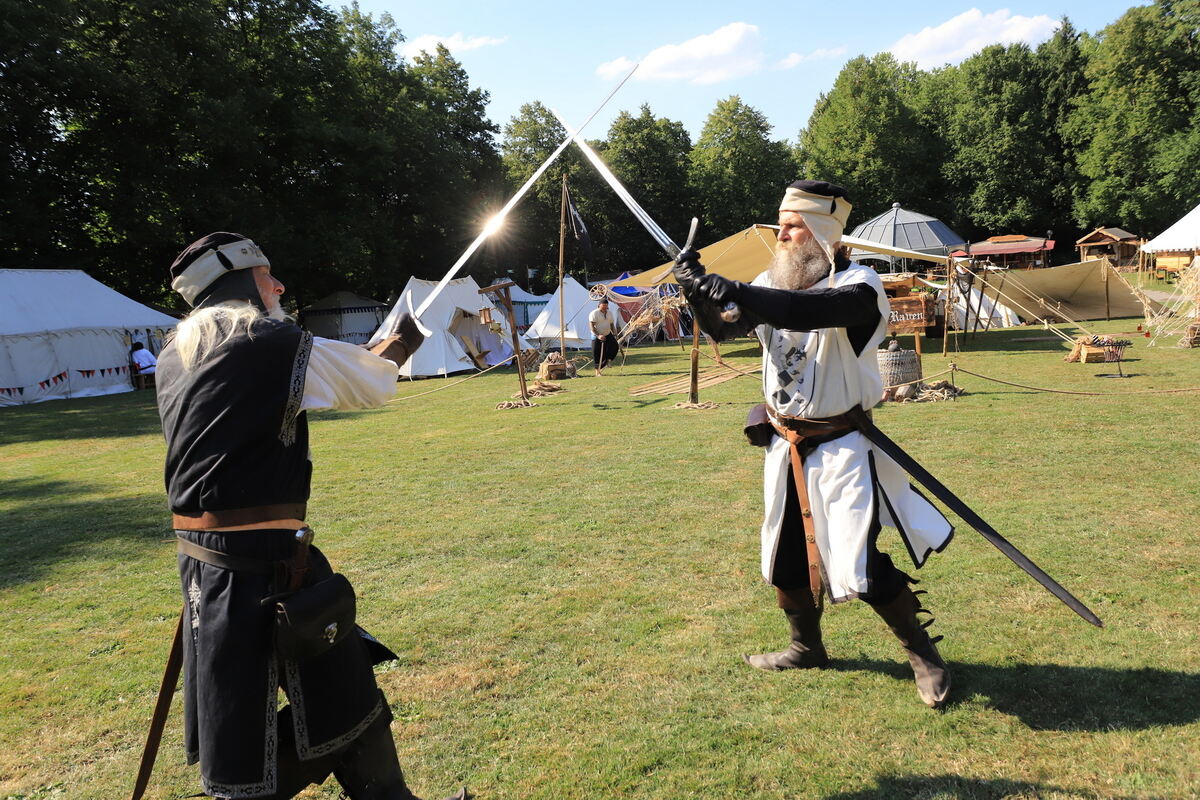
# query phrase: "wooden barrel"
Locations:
[[899, 366]]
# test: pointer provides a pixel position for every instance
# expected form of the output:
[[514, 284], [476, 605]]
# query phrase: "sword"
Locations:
[[910, 465], [494, 223]]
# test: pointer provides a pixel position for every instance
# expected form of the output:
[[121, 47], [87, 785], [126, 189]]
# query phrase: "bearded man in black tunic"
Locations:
[[234, 386]]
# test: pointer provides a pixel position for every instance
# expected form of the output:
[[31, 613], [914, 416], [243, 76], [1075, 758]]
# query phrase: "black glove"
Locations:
[[688, 268], [409, 333]]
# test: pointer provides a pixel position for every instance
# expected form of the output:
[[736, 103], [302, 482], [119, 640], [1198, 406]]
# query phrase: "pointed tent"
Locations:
[[455, 325], [526, 305], [344, 316], [908, 230], [65, 334], [1178, 244], [577, 304]]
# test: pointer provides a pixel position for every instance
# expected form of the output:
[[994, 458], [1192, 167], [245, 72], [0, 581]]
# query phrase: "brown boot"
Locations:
[[805, 650], [931, 673]]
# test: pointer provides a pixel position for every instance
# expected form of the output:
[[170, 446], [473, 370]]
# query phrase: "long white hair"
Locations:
[[206, 329]]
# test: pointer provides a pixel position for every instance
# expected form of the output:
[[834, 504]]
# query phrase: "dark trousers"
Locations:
[[790, 574], [604, 351]]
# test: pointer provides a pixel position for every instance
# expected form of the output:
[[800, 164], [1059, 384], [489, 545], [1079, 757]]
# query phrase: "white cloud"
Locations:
[[794, 59], [455, 44], [732, 51], [970, 32]]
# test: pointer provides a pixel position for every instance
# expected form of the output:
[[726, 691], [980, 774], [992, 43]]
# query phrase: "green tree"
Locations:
[[998, 165], [866, 134], [650, 156], [738, 172], [1139, 151], [1062, 60]]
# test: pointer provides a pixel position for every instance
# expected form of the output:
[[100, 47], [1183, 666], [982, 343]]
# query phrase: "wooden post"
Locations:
[[1107, 266], [562, 240], [503, 288], [949, 309], [694, 391]]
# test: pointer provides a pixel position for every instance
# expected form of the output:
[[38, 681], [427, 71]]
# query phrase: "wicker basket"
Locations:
[[899, 366]]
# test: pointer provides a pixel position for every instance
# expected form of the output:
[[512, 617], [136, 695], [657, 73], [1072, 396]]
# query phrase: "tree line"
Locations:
[[130, 127]]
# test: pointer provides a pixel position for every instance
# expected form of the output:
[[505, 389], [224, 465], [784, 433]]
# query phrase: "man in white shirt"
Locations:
[[143, 359], [604, 336]]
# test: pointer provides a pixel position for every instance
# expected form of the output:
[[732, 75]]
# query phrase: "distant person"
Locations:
[[827, 489], [234, 385], [604, 333], [143, 359]]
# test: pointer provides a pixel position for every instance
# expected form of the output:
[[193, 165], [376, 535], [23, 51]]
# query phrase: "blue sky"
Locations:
[[777, 56]]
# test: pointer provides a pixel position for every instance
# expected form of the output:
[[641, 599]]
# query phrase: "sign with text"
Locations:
[[911, 314]]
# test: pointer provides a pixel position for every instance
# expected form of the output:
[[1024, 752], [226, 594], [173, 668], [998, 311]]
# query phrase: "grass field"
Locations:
[[571, 587]]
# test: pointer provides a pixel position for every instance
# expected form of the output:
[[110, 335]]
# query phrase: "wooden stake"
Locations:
[[562, 240], [512, 328], [694, 391]]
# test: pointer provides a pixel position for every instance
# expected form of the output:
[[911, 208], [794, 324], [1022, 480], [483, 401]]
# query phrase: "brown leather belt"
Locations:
[[799, 432], [204, 520]]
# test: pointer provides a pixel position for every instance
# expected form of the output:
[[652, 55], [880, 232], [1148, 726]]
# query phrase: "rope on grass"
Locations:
[[456, 383], [956, 368], [506, 404], [706, 405]]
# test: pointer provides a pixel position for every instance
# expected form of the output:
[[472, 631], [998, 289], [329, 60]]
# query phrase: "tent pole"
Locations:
[[948, 315], [694, 390], [562, 240], [1107, 266]]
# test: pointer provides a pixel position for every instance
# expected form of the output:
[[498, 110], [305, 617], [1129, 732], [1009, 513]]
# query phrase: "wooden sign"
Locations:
[[911, 314]]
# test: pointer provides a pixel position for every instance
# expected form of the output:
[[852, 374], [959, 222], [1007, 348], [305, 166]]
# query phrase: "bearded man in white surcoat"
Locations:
[[827, 490]]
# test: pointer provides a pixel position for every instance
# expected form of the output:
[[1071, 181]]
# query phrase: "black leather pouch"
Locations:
[[759, 430], [315, 618]]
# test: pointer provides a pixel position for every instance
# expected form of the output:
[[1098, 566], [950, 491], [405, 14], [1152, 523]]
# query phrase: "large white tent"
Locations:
[[577, 304], [1183, 236], [455, 324], [526, 306], [344, 316], [65, 334]]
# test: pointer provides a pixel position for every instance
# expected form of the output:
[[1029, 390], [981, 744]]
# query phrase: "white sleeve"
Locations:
[[344, 376]]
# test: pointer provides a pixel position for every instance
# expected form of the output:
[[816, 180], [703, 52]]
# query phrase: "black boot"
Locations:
[[370, 769], [931, 673], [805, 650]]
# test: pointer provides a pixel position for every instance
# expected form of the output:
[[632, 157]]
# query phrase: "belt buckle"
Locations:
[[304, 536]]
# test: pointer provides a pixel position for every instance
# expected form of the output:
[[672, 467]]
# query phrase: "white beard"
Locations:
[[799, 266]]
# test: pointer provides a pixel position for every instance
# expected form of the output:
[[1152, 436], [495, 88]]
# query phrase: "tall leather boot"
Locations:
[[805, 650], [370, 769], [929, 670]]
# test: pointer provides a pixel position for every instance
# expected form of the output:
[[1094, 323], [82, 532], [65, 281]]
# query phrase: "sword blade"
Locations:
[[938, 490], [516, 198]]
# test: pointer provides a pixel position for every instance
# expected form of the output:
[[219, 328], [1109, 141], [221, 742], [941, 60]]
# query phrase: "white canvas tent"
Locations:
[[344, 316], [1183, 236], [64, 334], [526, 306], [577, 304], [455, 327]]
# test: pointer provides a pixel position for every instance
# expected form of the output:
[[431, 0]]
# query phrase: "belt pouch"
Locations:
[[313, 619], [758, 428]]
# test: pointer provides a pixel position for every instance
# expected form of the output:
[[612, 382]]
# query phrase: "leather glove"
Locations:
[[407, 330], [688, 268], [717, 289]]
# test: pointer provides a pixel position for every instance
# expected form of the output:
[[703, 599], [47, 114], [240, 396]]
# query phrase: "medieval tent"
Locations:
[[459, 339], [898, 227], [1087, 290], [344, 316], [65, 334], [526, 306], [1177, 245], [576, 305]]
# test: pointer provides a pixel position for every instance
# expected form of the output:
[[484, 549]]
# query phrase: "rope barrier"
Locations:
[[456, 383], [956, 368]]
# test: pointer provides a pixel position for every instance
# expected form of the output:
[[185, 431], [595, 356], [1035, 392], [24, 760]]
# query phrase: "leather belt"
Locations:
[[801, 432], [203, 520]]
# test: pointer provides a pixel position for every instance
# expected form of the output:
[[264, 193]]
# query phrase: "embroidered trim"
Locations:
[[267, 786], [304, 749], [291, 412]]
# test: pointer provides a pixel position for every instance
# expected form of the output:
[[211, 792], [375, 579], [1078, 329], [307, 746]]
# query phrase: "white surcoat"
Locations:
[[816, 374]]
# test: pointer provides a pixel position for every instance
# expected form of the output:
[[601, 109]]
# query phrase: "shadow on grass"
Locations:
[[49, 521], [1066, 698], [128, 414], [959, 788]]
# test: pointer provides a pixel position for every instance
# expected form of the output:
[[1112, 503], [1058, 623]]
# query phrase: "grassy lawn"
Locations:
[[571, 587]]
